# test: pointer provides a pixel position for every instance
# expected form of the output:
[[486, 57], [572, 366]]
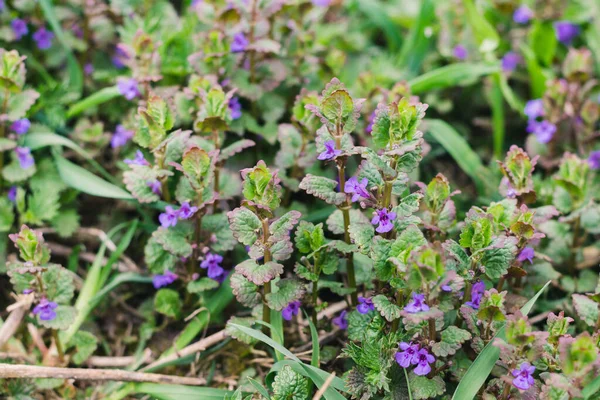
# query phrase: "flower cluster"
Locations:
[[171, 216], [413, 354]]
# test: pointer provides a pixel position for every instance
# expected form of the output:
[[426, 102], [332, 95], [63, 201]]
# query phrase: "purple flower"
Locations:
[[25, 158], [423, 359], [477, 291], [118, 59], [138, 160], [594, 159], [446, 288], [526, 254], [212, 263], [417, 304], [155, 186], [321, 3], [20, 126], [186, 211], [510, 61], [88, 69], [43, 38], [341, 321], [522, 15], [365, 305], [534, 108], [523, 376], [235, 108], [128, 88], [120, 137], [163, 280], [77, 31], [239, 43], [45, 310], [357, 189], [12, 194], [169, 217], [369, 127], [460, 52], [2, 6], [384, 218], [565, 31], [544, 131], [292, 309], [28, 291], [329, 152], [19, 28], [408, 355]]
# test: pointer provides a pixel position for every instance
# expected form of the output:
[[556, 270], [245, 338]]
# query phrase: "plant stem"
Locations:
[[2, 134], [574, 245], [267, 285], [346, 214], [59, 349], [431, 329], [217, 170], [399, 301]]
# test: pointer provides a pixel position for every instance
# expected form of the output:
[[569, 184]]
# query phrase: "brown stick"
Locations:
[[191, 349], [8, 371], [321, 391], [117, 362], [12, 323]]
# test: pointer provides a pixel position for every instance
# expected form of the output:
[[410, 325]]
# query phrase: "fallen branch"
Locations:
[[117, 362], [8, 371], [12, 323], [191, 349], [321, 391]]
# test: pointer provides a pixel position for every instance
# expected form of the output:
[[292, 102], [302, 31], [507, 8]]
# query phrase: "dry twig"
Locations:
[[321, 391]]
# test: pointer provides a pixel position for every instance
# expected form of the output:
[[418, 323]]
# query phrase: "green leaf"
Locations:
[[289, 385], [58, 283], [20, 103], [85, 343], [543, 41], [282, 226], [66, 223], [218, 225], [202, 285], [137, 179], [7, 215], [235, 333], [174, 240], [14, 173], [157, 258], [452, 340], [497, 261], [479, 371], [101, 96], [245, 225], [245, 291], [65, 316], [386, 308], [284, 292], [322, 188], [84, 181], [485, 34], [259, 273], [425, 388], [462, 153], [154, 121], [167, 302], [163, 391], [458, 74], [308, 238], [587, 309]]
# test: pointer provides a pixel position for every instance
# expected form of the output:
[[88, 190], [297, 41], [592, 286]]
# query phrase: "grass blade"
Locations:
[[260, 388], [316, 349], [497, 104], [415, 47], [479, 371], [266, 340], [485, 34], [180, 392], [317, 375], [101, 96], [462, 153], [459, 74]]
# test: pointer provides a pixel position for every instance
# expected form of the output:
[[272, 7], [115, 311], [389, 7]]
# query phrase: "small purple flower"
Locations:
[[446, 288], [155, 186], [408, 355], [594, 159], [365, 305], [77, 31], [25, 158], [523, 376], [235, 108], [341, 321], [534, 108], [566, 31], [2, 6], [169, 217], [19, 28], [292, 309], [329, 152], [163, 280], [384, 218], [417, 304], [522, 15], [510, 61], [357, 189], [43, 38], [12, 194], [88, 69], [321, 3], [239, 43], [526, 254], [128, 88], [423, 359], [460, 52], [119, 58], [45, 310], [544, 131], [138, 160], [28, 291], [477, 291], [212, 263], [186, 211], [120, 137], [20, 126], [369, 127]]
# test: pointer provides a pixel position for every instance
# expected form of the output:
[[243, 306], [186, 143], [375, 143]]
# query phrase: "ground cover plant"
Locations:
[[299, 199]]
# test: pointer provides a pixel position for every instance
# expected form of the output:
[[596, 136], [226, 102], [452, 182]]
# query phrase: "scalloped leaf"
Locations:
[[587, 309], [259, 274], [245, 291], [452, 340], [245, 225], [386, 308], [288, 290], [322, 188]]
